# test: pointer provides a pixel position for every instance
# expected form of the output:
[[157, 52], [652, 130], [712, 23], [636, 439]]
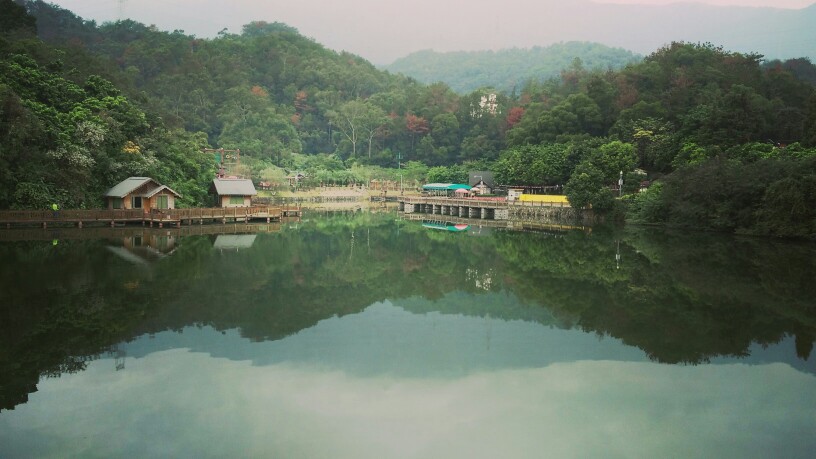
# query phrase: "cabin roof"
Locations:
[[234, 187], [131, 184]]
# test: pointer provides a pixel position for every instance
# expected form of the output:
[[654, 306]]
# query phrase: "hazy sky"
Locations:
[[793, 4], [384, 30]]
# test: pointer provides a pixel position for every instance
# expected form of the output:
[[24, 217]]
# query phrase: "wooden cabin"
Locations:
[[481, 182], [141, 193], [233, 192]]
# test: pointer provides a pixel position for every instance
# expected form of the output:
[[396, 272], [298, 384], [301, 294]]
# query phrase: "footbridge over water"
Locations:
[[481, 208], [486, 209]]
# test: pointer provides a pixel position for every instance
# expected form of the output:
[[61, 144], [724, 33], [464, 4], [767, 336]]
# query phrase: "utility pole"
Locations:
[[620, 185]]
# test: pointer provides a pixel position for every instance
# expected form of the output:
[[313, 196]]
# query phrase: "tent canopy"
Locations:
[[445, 187]]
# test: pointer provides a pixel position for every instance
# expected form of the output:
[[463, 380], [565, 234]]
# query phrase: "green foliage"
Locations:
[[66, 142], [450, 174], [765, 196], [586, 187], [787, 208], [545, 164], [646, 206]]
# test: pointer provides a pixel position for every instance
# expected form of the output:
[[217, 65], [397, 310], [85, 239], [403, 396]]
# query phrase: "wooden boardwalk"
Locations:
[[153, 217]]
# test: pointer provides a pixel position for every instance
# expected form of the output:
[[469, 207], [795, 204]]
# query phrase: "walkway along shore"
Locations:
[[158, 217]]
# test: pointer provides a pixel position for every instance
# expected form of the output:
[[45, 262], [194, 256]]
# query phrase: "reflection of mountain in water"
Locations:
[[388, 339], [679, 298]]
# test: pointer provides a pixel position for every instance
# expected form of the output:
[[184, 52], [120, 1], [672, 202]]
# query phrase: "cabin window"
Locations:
[[136, 202], [162, 202], [236, 200], [116, 203]]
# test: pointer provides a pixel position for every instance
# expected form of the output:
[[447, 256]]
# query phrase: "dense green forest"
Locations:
[[727, 138], [507, 69]]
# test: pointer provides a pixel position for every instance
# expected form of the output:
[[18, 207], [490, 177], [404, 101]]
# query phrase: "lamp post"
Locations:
[[399, 168]]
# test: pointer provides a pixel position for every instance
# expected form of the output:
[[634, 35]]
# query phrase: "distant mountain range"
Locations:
[[773, 32], [507, 69]]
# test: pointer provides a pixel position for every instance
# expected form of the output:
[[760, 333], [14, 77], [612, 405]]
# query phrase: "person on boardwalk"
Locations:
[[55, 209]]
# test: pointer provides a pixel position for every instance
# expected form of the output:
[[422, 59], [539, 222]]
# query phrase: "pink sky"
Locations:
[[793, 4]]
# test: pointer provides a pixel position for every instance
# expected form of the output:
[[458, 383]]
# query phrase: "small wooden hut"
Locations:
[[233, 192], [141, 193]]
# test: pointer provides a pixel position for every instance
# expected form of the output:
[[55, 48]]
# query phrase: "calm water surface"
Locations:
[[362, 335]]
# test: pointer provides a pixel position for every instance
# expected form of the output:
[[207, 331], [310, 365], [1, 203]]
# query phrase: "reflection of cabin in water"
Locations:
[[141, 193], [233, 192], [234, 242], [145, 249]]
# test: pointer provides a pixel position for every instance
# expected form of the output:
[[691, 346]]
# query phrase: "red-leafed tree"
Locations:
[[514, 116], [416, 125]]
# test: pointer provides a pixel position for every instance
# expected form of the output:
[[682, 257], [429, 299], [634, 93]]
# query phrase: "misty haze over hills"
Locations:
[[383, 31], [775, 33], [507, 70]]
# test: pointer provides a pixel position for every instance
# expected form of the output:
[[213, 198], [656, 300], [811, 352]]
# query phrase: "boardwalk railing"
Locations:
[[80, 216]]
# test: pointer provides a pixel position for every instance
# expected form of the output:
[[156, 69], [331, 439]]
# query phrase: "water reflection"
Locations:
[[362, 302]]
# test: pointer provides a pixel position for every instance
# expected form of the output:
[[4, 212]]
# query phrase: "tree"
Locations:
[[416, 126], [612, 158], [587, 187], [358, 119], [578, 114]]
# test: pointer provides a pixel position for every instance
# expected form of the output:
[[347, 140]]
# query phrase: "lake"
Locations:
[[363, 335]]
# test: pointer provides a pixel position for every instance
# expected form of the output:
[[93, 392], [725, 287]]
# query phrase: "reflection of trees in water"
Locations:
[[681, 298]]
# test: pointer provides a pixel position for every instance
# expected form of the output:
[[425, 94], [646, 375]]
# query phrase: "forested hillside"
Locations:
[[727, 138], [507, 69], [67, 133], [730, 139], [273, 93]]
